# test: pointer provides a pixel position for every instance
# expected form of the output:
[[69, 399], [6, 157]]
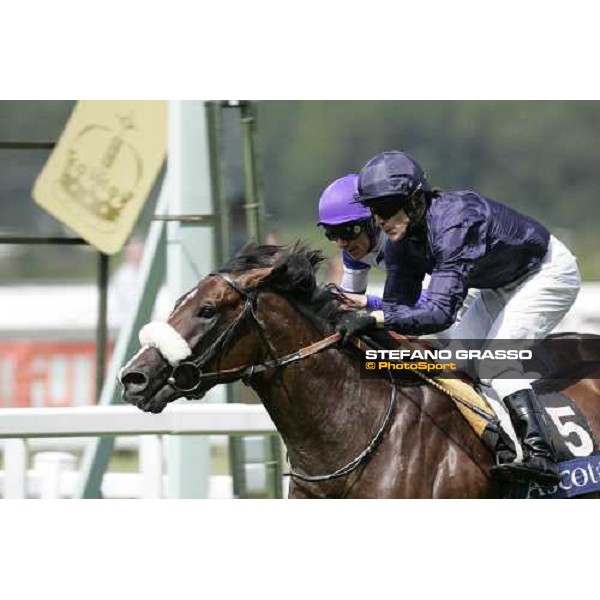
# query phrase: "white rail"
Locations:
[[53, 474], [178, 419]]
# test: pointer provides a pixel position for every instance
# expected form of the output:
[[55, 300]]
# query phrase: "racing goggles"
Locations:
[[386, 208], [347, 233]]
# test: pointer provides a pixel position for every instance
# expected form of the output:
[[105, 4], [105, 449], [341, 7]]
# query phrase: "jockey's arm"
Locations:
[[355, 278], [454, 251], [434, 312], [355, 275]]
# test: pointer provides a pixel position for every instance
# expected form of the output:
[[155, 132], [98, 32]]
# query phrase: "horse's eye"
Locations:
[[207, 311]]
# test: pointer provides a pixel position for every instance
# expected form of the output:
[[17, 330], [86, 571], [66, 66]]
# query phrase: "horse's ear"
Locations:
[[294, 272], [254, 278], [247, 247], [280, 269], [315, 257]]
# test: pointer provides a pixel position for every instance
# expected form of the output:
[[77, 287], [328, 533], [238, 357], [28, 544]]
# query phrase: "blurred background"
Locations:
[[539, 157], [542, 158]]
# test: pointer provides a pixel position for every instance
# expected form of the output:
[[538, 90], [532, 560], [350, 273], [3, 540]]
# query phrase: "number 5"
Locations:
[[567, 428]]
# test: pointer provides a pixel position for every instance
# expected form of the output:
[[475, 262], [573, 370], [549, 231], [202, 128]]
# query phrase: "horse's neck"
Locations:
[[327, 416], [324, 412], [321, 410]]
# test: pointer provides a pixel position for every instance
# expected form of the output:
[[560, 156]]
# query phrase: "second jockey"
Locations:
[[352, 228]]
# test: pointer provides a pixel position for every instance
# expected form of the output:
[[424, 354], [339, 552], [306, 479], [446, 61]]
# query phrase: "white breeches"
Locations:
[[528, 309]]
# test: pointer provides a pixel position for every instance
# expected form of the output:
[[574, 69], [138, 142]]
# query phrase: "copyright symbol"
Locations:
[[370, 365]]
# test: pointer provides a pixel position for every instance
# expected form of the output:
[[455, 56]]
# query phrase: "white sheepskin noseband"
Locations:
[[166, 340]]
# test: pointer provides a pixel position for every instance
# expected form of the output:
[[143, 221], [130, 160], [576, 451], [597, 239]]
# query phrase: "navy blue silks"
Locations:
[[469, 241]]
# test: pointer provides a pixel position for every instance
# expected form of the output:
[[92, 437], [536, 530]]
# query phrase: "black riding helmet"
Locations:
[[389, 180]]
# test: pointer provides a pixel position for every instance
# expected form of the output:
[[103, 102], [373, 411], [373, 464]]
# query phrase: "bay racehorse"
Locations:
[[262, 319]]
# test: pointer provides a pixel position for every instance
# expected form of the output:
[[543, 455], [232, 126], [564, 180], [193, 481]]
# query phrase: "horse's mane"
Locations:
[[252, 257], [293, 275]]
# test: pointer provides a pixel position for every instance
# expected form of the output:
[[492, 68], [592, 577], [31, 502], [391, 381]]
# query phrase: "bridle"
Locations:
[[192, 372]]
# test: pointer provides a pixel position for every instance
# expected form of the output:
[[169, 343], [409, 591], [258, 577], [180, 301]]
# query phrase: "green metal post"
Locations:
[[214, 129], [253, 205], [223, 252], [255, 228], [102, 325]]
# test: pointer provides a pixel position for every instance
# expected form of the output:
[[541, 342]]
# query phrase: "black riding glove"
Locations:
[[350, 323]]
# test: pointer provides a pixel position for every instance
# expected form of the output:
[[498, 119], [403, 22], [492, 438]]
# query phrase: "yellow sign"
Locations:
[[100, 174]]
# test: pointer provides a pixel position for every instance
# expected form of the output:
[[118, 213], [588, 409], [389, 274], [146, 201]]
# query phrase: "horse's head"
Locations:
[[216, 330]]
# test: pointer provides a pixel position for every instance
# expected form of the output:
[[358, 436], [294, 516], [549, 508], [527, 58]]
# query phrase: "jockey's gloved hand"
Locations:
[[350, 323]]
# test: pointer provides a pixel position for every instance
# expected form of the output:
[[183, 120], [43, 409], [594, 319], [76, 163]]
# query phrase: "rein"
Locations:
[[355, 462], [245, 373]]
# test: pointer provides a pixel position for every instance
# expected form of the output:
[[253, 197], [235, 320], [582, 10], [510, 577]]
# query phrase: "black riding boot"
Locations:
[[539, 460]]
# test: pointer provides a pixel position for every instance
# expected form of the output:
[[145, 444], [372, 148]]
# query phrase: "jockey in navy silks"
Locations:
[[524, 279]]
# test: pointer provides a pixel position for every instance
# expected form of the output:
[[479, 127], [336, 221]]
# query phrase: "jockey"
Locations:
[[524, 281], [351, 226]]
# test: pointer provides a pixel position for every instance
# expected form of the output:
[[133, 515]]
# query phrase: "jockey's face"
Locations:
[[395, 226], [357, 248]]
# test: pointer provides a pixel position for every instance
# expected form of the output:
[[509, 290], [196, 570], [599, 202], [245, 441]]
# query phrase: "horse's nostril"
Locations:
[[134, 378]]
